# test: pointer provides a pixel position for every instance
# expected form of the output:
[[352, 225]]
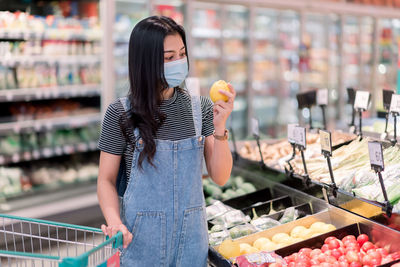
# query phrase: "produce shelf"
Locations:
[[28, 94], [48, 153], [50, 123]]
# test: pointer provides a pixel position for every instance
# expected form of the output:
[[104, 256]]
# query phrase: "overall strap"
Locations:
[[127, 107], [196, 111]]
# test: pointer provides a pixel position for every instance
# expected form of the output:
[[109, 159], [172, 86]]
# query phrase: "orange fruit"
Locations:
[[215, 95]]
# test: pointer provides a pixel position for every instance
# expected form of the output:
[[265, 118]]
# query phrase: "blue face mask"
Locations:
[[175, 72]]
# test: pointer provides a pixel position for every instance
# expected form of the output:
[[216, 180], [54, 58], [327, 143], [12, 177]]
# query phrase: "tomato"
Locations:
[[329, 239], [325, 264], [302, 257], [287, 259], [361, 239], [382, 251], [351, 244], [376, 262], [328, 253], [342, 258], [367, 246], [303, 264], [306, 251], [336, 264], [355, 264], [315, 252], [342, 250], [348, 237], [374, 254], [276, 264], [336, 253], [333, 244], [321, 257], [324, 248], [366, 260], [330, 259], [396, 255], [314, 262], [343, 264], [353, 247], [352, 256], [292, 264]]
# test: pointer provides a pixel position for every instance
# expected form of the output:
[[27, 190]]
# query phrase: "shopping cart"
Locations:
[[33, 242]]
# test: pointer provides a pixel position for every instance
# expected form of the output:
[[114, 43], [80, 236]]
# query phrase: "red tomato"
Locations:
[[314, 262], [333, 244], [302, 257], [336, 264], [330, 259], [382, 251], [355, 264], [292, 264], [374, 254], [342, 250], [342, 258], [396, 255], [276, 264], [348, 237], [367, 246], [355, 248], [352, 256], [329, 239], [315, 252], [351, 244], [321, 257], [343, 264], [306, 251], [303, 264], [287, 259], [325, 264], [324, 248], [328, 253], [366, 260], [336, 253], [361, 239]]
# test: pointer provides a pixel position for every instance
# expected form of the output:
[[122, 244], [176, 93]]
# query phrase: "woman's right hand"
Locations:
[[111, 230]]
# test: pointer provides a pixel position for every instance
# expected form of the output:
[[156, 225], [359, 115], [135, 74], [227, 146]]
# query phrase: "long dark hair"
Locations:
[[147, 81]]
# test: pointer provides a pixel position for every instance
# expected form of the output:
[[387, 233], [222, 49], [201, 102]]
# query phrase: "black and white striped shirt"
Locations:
[[177, 125]]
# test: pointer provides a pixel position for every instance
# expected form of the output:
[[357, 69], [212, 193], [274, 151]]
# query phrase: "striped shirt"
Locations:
[[177, 125]]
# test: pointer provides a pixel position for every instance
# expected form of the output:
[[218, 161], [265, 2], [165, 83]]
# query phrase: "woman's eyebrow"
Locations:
[[171, 51]]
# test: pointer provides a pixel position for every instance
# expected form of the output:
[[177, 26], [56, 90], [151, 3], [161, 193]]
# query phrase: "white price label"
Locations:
[[362, 100], [255, 128], [322, 97], [291, 133], [300, 136], [376, 155], [326, 141], [395, 104]]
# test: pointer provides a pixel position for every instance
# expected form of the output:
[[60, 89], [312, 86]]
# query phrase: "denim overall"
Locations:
[[163, 206]]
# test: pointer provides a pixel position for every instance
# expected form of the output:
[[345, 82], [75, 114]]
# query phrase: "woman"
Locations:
[[152, 144]]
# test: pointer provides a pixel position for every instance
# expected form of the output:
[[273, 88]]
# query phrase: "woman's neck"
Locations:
[[167, 94]]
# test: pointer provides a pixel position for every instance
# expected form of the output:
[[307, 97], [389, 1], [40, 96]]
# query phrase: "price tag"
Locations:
[[300, 136], [291, 133], [387, 98], [326, 142], [395, 104], [322, 97], [362, 100], [376, 155], [255, 128]]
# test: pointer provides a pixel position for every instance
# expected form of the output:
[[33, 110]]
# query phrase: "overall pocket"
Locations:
[[148, 246], [193, 242]]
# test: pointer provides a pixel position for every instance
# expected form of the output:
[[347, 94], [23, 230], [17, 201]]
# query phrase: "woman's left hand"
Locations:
[[223, 109]]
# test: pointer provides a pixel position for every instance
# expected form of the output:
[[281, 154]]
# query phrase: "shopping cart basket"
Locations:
[[33, 242]]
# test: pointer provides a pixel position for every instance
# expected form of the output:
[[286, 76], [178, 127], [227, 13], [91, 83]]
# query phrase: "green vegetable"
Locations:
[[240, 192], [248, 187]]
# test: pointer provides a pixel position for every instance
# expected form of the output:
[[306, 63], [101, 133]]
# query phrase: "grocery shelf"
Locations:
[[50, 123], [86, 35], [206, 33], [28, 94], [46, 153], [12, 61]]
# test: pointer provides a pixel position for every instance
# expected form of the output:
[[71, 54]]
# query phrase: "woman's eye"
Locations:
[[183, 54], [169, 58]]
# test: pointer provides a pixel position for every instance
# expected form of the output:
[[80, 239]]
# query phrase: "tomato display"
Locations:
[[347, 252]]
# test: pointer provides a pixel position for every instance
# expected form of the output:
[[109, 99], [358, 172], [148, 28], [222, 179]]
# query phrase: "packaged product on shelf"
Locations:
[[10, 181], [264, 222], [10, 144], [260, 259], [216, 209], [242, 230]]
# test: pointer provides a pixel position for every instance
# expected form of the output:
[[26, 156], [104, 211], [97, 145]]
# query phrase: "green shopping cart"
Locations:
[[32, 242]]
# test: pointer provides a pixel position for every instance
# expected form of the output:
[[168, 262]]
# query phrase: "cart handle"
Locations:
[[82, 260], [50, 223]]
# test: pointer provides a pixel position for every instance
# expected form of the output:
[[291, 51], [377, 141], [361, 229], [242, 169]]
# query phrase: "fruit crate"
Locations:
[[333, 216]]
